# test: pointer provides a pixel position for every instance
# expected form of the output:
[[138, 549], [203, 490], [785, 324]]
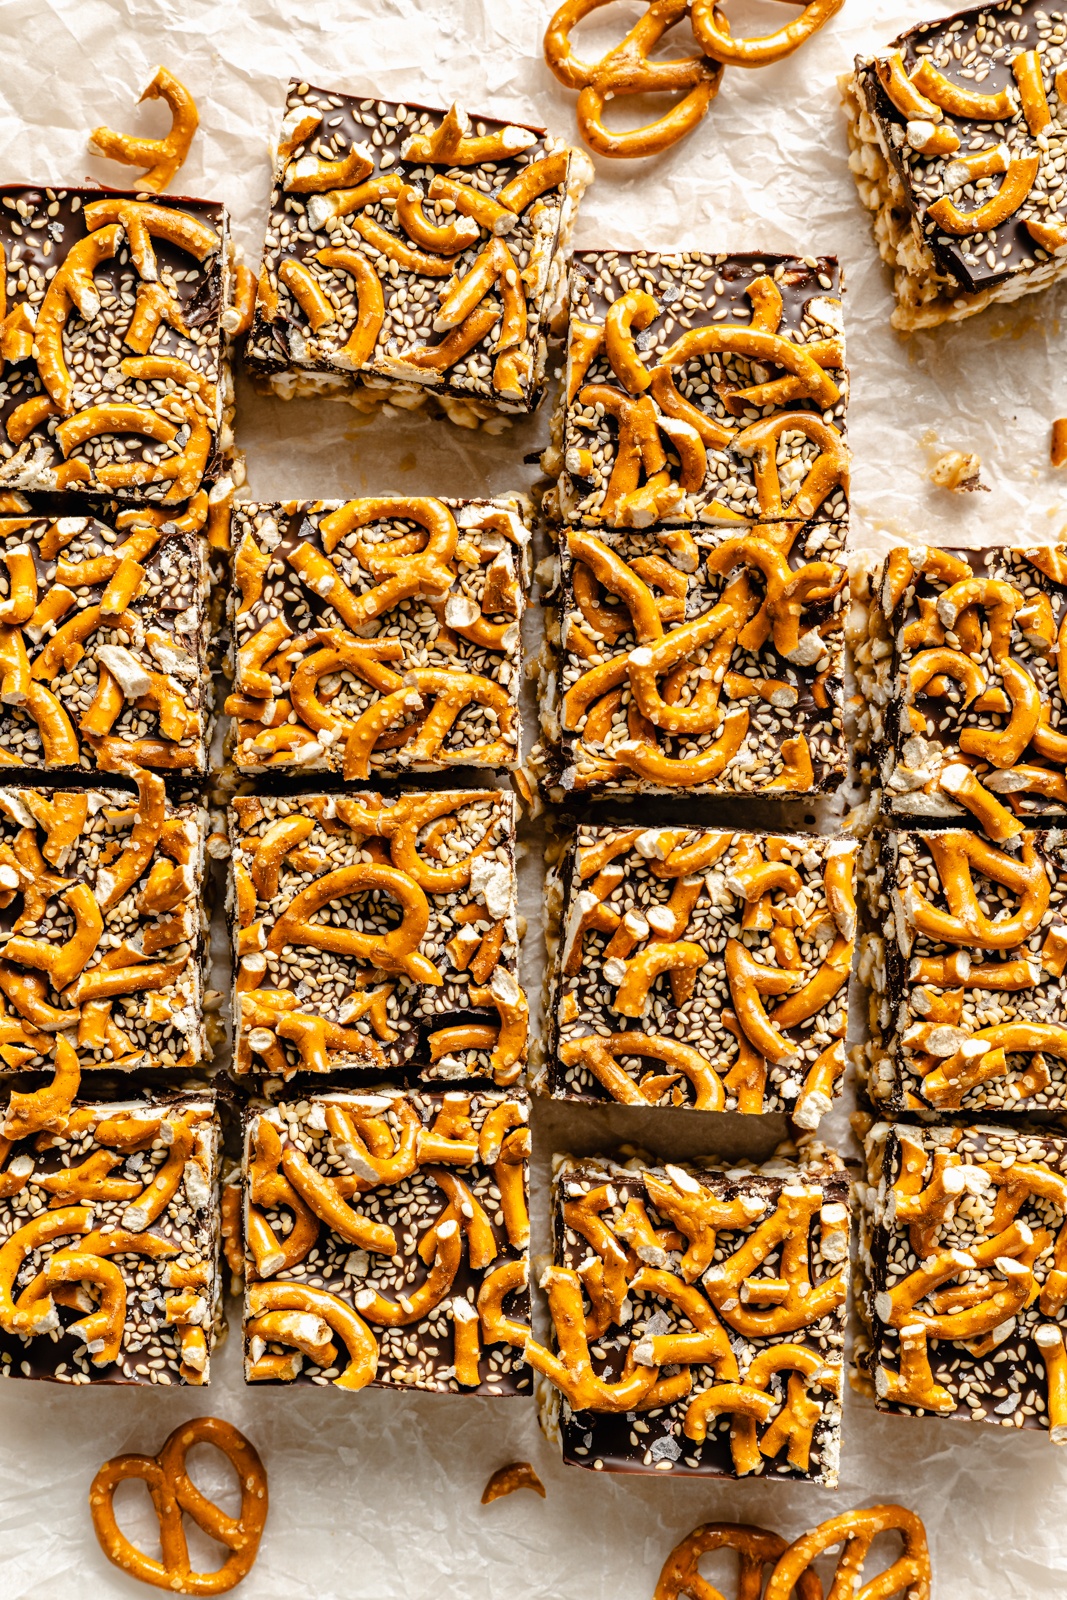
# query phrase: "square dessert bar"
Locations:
[[116, 376], [690, 660], [704, 388], [370, 933], [963, 1286], [104, 654], [698, 1315], [965, 959], [957, 133], [386, 1241], [101, 927], [410, 254], [109, 1241], [960, 669], [702, 969], [378, 636]]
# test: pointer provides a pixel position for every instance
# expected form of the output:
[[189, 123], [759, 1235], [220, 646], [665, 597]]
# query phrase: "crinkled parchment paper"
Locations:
[[377, 1496]]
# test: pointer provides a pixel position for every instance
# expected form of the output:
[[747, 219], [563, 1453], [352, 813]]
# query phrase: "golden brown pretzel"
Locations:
[[756, 1549], [359, 1341], [396, 951], [599, 1057], [626, 70], [965, 923], [572, 1371], [164, 156], [908, 1576], [174, 1494], [716, 40]]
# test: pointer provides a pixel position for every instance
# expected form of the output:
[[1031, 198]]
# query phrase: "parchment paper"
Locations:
[[377, 1496]]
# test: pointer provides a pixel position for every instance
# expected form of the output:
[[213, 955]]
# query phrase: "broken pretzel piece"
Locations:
[[506, 1480], [163, 156]]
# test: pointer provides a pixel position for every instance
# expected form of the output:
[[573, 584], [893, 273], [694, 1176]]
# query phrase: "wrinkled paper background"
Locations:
[[377, 1495]]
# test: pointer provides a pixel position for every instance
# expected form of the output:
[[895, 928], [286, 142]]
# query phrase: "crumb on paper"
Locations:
[[516, 1475], [1058, 444], [959, 471]]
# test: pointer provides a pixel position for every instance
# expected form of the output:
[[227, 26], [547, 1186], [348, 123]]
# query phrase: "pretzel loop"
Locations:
[[713, 32]]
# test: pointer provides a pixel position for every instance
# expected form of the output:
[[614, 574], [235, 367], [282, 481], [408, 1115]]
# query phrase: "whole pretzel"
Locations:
[[908, 1577], [713, 32], [164, 156], [626, 70], [174, 1493], [756, 1549]]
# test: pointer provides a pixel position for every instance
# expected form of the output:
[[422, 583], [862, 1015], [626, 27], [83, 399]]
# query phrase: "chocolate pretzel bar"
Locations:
[[698, 1314], [964, 1285], [957, 135], [101, 927], [410, 255], [690, 660], [379, 635], [962, 659], [404, 1262], [103, 652], [668, 946], [370, 933], [116, 374], [701, 388], [109, 1241], [964, 957]]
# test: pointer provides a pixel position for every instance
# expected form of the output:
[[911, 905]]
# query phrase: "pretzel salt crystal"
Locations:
[[164, 156], [626, 70], [716, 40]]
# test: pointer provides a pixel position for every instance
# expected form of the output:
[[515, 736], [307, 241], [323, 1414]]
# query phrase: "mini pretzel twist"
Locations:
[[173, 1495], [713, 32], [908, 1575], [626, 70], [164, 156]]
